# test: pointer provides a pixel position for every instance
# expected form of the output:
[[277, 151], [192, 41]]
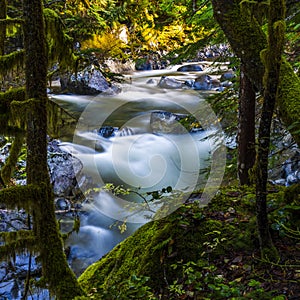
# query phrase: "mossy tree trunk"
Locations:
[[246, 130], [271, 58], [56, 272], [8, 168], [247, 40], [3, 12]]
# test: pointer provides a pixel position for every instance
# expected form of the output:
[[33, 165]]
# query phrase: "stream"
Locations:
[[135, 140], [142, 141]]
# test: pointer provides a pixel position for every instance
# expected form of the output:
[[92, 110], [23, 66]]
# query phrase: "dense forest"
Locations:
[[244, 242]]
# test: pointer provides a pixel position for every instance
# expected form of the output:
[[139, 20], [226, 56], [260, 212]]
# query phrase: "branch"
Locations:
[[11, 21], [17, 242], [10, 61], [22, 196]]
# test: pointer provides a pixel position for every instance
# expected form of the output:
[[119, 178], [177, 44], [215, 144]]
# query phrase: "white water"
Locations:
[[141, 161]]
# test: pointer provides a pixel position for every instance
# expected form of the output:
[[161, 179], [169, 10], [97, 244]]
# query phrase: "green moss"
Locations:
[[11, 61], [8, 168], [288, 99], [21, 196], [292, 194], [6, 98], [189, 234], [59, 44], [17, 242]]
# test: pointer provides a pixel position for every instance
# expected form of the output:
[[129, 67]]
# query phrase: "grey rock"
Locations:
[[203, 82], [170, 83], [190, 68]]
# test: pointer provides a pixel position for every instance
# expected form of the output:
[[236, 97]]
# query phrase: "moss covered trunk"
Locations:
[[56, 272], [3, 12], [271, 58], [247, 41]]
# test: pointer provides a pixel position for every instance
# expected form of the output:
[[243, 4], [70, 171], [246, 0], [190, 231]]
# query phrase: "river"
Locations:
[[148, 149]]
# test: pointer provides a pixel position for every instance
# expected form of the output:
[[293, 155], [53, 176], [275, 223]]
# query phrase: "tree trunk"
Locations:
[[246, 131], [247, 41], [272, 60], [56, 272], [3, 13]]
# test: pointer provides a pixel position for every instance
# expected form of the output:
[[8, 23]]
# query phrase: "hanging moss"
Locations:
[[11, 61], [11, 21], [21, 196], [10, 163], [58, 120], [59, 44], [17, 242], [6, 98]]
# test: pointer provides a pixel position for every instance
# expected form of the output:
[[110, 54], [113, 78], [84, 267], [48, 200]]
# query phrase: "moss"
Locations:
[[11, 61], [21, 196], [59, 44], [189, 234], [288, 99], [8, 168], [6, 98], [56, 273], [17, 242], [292, 194]]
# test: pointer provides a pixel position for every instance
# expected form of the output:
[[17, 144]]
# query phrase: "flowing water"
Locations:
[[147, 149]]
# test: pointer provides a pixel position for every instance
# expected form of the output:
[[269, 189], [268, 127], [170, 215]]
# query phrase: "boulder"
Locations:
[[63, 169], [164, 122], [170, 83], [190, 68], [228, 75], [89, 81], [203, 82]]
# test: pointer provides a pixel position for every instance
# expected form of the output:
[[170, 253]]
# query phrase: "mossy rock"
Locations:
[[189, 234]]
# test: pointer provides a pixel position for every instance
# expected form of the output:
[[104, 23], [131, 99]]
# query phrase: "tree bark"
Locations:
[[3, 13], [247, 41], [246, 130], [56, 272], [271, 58]]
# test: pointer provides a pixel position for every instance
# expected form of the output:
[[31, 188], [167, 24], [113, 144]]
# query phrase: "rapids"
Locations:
[[139, 158]]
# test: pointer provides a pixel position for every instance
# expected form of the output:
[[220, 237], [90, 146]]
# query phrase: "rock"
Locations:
[[62, 204], [125, 131], [163, 122], [189, 83], [170, 83], [228, 75], [143, 64], [166, 122], [203, 82], [120, 67], [226, 84], [190, 68], [107, 131], [151, 62], [90, 81], [151, 81], [63, 169], [4, 153]]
